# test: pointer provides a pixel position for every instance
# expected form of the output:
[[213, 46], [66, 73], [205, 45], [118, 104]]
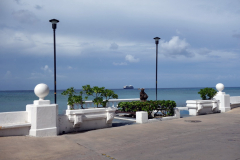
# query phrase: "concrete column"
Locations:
[[176, 112], [42, 115], [224, 99], [141, 117]]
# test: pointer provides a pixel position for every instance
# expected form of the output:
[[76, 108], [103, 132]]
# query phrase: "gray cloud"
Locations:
[[17, 1], [204, 51], [38, 7], [236, 35], [25, 16], [113, 46]]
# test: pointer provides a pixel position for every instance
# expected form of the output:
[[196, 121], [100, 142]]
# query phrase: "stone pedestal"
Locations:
[[141, 117], [43, 118], [42, 115], [224, 99]]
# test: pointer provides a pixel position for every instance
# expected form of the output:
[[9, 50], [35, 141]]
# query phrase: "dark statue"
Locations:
[[143, 95]]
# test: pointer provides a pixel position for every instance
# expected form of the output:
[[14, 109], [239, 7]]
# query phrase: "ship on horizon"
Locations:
[[128, 87]]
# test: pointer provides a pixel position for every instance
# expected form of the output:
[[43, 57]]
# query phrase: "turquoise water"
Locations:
[[17, 100]]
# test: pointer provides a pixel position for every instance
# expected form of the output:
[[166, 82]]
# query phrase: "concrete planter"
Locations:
[[198, 107], [86, 119]]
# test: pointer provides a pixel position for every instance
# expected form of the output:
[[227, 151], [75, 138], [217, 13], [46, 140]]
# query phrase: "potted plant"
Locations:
[[204, 106], [207, 93], [70, 92], [96, 92], [99, 93], [108, 94], [76, 99], [92, 117]]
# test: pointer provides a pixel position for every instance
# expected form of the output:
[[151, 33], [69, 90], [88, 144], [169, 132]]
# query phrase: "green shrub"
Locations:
[[207, 93], [166, 107]]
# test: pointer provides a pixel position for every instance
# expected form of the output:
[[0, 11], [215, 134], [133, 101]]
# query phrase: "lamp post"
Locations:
[[54, 26], [156, 42]]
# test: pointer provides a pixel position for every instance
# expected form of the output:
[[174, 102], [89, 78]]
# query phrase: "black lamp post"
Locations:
[[156, 42], [54, 26]]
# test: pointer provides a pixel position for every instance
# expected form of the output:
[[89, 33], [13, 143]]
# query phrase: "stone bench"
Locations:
[[14, 123]]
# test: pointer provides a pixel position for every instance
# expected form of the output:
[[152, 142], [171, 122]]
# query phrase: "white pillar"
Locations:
[[176, 112], [224, 99], [141, 117], [42, 115]]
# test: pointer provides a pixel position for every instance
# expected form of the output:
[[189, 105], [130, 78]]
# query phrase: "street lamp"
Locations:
[[54, 26], [156, 42]]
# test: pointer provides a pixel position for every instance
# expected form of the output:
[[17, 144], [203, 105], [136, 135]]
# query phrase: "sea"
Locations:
[[17, 100]]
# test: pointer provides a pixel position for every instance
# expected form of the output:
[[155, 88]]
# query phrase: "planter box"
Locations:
[[199, 107], [86, 119]]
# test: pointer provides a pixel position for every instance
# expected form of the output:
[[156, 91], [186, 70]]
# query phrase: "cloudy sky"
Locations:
[[110, 43]]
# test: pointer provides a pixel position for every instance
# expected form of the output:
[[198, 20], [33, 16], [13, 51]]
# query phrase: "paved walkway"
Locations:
[[216, 137]]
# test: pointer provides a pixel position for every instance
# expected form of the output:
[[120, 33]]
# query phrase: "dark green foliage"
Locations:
[[166, 107], [207, 93]]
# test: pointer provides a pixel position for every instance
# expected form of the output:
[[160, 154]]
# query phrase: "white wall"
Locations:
[[14, 123], [65, 126], [235, 101], [13, 117]]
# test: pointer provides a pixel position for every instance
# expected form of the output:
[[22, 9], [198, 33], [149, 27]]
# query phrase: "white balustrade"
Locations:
[[234, 101]]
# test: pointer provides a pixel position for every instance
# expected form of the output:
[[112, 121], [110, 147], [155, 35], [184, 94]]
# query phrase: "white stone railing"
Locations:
[[87, 118], [14, 123], [111, 103], [198, 107], [235, 101]]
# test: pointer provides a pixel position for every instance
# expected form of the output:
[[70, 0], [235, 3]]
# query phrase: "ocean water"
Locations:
[[17, 100]]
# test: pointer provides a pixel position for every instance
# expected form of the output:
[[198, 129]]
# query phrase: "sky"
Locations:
[[110, 43]]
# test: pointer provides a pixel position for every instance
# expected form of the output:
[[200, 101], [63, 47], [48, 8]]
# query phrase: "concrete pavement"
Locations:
[[216, 137]]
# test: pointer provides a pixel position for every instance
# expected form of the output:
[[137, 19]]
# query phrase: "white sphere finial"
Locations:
[[220, 87], [41, 90]]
